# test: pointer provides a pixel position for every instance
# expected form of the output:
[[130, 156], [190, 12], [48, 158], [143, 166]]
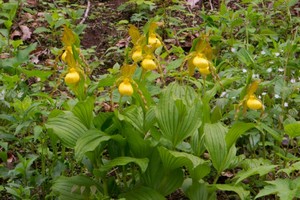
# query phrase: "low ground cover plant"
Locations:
[[216, 120]]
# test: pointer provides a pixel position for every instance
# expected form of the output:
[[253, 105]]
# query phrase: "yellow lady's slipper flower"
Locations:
[[125, 88], [200, 62], [204, 71], [72, 77], [148, 63], [253, 103], [137, 55]]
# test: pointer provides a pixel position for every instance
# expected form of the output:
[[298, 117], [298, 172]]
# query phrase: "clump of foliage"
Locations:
[[219, 118]]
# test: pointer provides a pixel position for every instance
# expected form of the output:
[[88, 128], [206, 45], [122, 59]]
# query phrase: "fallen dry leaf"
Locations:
[[192, 3], [15, 34], [32, 2], [26, 32]]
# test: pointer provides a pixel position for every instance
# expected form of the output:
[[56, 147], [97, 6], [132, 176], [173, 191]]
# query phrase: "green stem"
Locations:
[[264, 144], [105, 187]]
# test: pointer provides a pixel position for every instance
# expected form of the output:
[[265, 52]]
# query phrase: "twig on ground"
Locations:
[[86, 13]]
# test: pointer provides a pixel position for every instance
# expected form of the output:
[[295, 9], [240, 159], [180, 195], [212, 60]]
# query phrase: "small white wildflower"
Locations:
[[262, 52], [223, 94], [38, 79], [259, 96], [264, 93], [255, 75], [269, 70], [293, 80], [277, 54], [244, 70], [276, 96], [286, 104], [271, 62], [280, 70], [233, 50]]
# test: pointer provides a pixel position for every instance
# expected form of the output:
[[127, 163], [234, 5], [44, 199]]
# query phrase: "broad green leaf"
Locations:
[[286, 189], [143, 193], [121, 161], [245, 57], [84, 111], [195, 190], [43, 75], [243, 194], [174, 64], [74, 188], [261, 126], [293, 130], [91, 140], [177, 117], [138, 145], [294, 167], [134, 115], [171, 160], [102, 120], [214, 136], [236, 131], [164, 181], [261, 170], [197, 143], [67, 127]]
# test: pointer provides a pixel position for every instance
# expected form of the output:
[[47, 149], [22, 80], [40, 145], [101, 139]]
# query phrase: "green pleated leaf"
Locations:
[[263, 127], [293, 130], [139, 147], [84, 111], [243, 194], [67, 127], [177, 117], [134, 115], [214, 136], [286, 189], [236, 131], [163, 180], [121, 161], [261, 170], [143, 193], [91, 140], [197, 167], [74, 188], [245, 57], [102, 120], [195, 190]]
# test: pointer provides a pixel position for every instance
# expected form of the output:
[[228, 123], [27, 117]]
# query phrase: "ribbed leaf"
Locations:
[[236, 131], [176, 117], [197, 167], [293, 130], [139, 147], [214, 136], [143, 193], [261, 170], [91, 140], [74, 188], [261, 127], [195, 190], [67, 127], [162, 180], [134, 115], [84, 111], [243, 194], [121, 161], [286, 189]]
